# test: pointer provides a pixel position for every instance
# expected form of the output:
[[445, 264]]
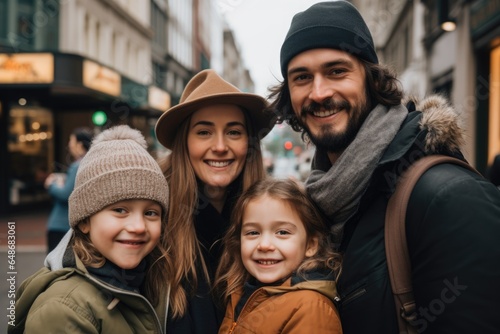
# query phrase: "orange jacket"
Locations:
[[306, 307]]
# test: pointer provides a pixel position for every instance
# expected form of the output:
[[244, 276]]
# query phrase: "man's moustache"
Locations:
[[326, 105]]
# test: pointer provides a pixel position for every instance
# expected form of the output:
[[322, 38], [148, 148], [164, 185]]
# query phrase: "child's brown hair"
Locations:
[[231, 273]]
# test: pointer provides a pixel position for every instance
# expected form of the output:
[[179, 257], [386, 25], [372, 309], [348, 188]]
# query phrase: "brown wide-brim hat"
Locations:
[[208, 88]]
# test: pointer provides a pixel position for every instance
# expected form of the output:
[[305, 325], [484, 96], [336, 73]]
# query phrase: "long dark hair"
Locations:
[[382, 86], [180, 238]]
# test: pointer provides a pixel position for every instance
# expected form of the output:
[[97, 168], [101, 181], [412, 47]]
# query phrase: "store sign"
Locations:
[[26, 68], [101, 78], [158, 98]]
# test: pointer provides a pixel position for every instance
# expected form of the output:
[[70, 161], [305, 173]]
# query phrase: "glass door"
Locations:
[[31, 152]]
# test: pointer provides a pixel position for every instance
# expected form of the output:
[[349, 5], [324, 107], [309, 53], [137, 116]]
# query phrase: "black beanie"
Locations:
[[332, 25]]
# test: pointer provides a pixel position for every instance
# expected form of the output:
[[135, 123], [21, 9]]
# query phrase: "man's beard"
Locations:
[[336, 142]]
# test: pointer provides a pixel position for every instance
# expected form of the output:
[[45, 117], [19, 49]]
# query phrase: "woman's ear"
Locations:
[[84, 226], [312, 246]]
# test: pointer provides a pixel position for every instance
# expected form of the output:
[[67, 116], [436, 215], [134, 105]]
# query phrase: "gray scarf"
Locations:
[[337, 188]]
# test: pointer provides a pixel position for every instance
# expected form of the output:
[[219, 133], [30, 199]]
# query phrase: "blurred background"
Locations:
[[98, 63]]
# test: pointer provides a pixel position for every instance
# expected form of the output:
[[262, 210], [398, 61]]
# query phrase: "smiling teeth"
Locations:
[[325, 113], [218, 163], [268, 262], [132, 242]]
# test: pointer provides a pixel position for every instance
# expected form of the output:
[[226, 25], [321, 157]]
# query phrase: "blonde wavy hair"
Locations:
[[231, 273], [180, 239]]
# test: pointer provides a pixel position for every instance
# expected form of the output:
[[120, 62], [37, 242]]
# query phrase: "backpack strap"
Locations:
[[396, 247]]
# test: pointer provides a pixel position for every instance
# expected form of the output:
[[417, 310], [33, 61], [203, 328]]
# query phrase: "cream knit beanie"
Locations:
[[117, 167]]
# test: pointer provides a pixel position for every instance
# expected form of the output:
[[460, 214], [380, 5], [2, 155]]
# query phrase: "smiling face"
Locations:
[[218, 143], [274, 241], [328, 94], [125, 232]]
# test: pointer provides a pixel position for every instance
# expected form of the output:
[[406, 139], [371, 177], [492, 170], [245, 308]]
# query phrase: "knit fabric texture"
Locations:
[[117, 167], [332, 25]]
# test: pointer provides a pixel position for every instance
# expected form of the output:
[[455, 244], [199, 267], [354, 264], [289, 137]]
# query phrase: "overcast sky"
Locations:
[[260, 27]]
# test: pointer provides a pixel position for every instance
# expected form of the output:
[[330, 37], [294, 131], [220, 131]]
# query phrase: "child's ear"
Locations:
[[84, 226], [312, 246]]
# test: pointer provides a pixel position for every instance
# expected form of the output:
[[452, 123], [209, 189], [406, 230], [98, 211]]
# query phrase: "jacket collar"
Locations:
[[325, 287], [432, 127], [320, 281]]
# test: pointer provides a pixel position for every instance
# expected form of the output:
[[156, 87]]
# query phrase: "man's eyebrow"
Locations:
[[344, 62], [297, 70]]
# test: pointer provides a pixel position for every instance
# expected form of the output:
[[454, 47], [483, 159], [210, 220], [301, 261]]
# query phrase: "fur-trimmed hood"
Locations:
[[441, 123], [432, 126]]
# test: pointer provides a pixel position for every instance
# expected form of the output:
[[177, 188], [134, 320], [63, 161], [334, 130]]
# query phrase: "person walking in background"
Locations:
[[278, 265], [112, 274], [60, 186], [214, 136], [351, 107]]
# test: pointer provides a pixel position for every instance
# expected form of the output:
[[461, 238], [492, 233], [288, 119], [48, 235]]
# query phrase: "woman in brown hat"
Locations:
[[214, 136]]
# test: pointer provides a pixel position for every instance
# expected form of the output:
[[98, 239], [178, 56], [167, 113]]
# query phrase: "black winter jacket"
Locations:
[[453, 230], [205, 311]]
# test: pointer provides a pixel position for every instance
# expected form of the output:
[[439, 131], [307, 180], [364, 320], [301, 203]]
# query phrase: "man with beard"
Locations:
[[350, 107]]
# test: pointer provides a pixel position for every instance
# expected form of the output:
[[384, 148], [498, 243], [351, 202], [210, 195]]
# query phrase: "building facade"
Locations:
[[63, 65], [481, 21], [397, 27], [94, 63], [234, 68], [451, 48], [465, 63]]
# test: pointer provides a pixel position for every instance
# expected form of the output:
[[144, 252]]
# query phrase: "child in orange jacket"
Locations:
[[277, 270]]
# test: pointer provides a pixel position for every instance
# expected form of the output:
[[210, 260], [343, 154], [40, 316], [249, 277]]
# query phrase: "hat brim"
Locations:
[[262, 121]]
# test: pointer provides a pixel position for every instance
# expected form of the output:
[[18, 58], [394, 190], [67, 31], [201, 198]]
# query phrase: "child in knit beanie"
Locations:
[[113, 277]]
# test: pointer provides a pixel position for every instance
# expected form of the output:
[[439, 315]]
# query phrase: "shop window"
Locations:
[[31, 152]]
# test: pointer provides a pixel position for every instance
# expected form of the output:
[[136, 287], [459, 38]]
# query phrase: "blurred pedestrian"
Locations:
[[60, 186], [351, 107]]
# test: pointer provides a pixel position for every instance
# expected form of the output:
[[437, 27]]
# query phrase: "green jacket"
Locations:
[[70, 300]]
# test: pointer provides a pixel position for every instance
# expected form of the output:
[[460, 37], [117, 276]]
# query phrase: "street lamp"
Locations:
[[445, 22]]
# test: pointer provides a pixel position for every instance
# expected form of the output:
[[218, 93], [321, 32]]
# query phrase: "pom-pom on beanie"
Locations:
[[331, 25], [117, 167]]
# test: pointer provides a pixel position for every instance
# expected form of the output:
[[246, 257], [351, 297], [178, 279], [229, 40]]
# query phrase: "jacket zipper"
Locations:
[[243, 309], [124, 292], [353, 295], [232, 327]]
